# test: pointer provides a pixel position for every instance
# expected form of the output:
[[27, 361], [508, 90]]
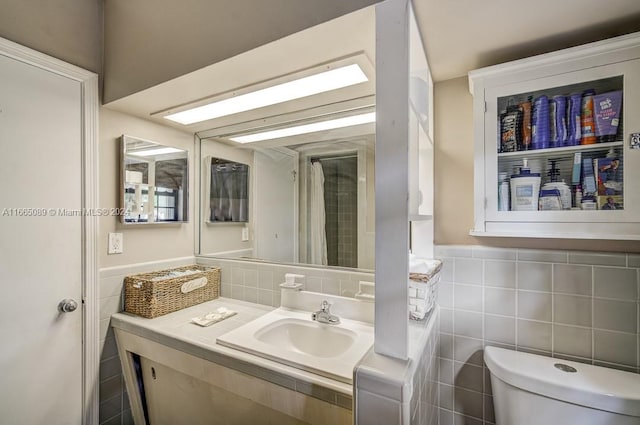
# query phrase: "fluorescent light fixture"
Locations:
[[152, 152], [296, 89], [308, 128]]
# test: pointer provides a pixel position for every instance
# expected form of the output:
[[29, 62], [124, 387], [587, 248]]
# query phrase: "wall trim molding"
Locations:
[[146, 266]]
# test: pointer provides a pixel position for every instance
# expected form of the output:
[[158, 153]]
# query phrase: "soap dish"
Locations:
[[296, 286]]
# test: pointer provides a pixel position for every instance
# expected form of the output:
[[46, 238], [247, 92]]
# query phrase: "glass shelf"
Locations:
[[545, 153]]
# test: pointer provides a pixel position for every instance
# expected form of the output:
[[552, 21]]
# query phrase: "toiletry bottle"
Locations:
[[503, 192], [525, 189], [525, 142], [290, 281], [587, 123], [574, 133], [558, 121], [510, 129], [578, 199], [540, 123]]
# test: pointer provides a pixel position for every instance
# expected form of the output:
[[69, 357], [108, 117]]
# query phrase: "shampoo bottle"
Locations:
[[588, 124]]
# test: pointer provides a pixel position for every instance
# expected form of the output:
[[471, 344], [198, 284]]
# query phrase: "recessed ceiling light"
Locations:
[[318, 83], [152, 152], [308, 128]]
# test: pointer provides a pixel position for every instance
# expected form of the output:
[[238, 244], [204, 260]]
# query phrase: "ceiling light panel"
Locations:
[[307, 128], [307, 86]]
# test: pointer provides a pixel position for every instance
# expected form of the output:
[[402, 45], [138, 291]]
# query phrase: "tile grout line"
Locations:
[[484, 270]]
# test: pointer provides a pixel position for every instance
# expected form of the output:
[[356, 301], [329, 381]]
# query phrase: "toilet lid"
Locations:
[[590, 386]]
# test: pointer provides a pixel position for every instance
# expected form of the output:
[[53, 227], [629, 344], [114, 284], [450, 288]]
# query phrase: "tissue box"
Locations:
[[157, 293]]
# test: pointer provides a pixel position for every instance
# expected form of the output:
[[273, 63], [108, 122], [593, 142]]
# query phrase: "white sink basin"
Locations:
[[291, 337], [307, 337]]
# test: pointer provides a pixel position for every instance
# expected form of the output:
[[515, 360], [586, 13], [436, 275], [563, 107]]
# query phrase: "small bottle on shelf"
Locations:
[[503, 192], [578, 197], [588, 123]]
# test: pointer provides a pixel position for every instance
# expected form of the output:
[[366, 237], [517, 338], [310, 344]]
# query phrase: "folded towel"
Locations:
[[211, 318], [423, 269], [175, 273]]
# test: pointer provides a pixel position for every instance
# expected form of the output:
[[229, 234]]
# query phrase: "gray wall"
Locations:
[[165, 39], [70, 30], [141, 243], [574, 305]]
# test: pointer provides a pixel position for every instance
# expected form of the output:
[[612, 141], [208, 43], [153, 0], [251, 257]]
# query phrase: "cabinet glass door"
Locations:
[[557, 149]]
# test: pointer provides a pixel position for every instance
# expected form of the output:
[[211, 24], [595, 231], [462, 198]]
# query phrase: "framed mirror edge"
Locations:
[[122, 181], [285, 264]]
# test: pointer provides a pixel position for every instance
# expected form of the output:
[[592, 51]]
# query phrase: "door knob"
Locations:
[[67, 305]]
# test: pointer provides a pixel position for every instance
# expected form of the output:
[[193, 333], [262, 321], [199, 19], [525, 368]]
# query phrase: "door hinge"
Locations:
[[485, 106]]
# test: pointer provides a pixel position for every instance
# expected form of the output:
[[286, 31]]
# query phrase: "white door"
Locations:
[[40, 247], [276, 205]]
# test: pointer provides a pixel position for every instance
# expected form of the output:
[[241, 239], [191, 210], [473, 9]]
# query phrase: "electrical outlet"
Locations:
[[245, 234], [115, 243]]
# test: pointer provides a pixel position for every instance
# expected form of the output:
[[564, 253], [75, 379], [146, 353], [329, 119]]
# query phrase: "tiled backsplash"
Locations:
[[574, 305], [259, 282]]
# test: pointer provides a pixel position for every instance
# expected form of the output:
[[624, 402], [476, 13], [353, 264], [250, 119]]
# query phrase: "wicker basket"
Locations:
[[147, 296]]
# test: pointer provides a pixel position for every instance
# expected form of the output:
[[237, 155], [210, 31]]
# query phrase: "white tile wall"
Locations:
[[381, 382], [581, 306]]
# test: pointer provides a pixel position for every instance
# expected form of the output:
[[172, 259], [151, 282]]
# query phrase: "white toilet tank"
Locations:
[[536, 390]]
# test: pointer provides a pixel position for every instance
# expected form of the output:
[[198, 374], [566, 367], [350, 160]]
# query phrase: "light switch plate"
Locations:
[[115, 243], [245, 234]]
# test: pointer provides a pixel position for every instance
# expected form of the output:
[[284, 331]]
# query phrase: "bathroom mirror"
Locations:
[[311, 196], [155, 181], [301, 119]]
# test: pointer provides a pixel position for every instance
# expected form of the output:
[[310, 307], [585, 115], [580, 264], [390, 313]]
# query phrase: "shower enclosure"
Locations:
[[340, 190]]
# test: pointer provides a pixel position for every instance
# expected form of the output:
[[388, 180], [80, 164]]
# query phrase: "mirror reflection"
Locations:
[[311, 199], [304, 124], [154, 182], [228, 191]]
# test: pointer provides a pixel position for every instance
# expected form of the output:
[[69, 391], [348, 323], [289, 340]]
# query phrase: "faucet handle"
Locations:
[[325, 307]]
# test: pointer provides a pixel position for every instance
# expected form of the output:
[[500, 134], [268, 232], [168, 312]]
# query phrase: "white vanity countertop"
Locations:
[[175, 330]]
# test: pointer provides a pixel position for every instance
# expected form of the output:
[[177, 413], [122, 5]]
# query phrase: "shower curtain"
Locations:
[[229, 198], [318, 236]]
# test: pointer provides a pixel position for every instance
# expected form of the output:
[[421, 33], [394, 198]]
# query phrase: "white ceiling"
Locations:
[[461, 35]]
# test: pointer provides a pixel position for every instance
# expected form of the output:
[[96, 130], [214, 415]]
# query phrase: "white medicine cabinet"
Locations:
[[556, 144]]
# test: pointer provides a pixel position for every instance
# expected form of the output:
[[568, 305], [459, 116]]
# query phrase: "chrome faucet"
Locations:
[[324, 315]]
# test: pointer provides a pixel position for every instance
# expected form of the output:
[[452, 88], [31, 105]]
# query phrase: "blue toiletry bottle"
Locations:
[[540, 134], [559, 121], [574, 128]]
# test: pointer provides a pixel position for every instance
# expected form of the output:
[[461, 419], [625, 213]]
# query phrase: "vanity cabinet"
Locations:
[[514, 105]]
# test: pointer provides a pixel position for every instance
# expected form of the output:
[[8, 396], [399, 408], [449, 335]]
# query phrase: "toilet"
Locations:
[[534, 390]]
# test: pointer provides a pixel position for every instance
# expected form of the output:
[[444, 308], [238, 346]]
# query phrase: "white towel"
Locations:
[[211, 318]]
